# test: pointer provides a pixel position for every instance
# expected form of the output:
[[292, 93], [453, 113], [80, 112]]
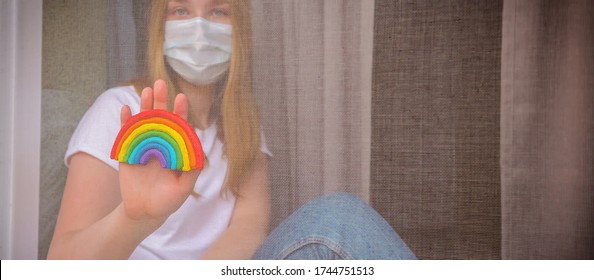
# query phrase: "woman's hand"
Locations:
[[150, 191], [99, 219]]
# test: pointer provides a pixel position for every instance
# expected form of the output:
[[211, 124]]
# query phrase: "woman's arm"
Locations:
[[251, 217], [92, 223]]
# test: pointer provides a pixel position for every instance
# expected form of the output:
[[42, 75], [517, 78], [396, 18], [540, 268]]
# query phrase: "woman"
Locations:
[[118, 211], [121, 210]]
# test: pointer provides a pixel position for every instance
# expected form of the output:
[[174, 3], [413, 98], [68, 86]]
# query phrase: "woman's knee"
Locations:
[[342, 219], [337, 207], [354, 224], [340, 200]]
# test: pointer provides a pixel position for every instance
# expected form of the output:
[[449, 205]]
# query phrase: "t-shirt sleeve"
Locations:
[[98, 128]]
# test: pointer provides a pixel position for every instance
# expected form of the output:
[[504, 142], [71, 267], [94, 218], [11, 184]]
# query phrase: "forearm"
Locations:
[[251, 217], [113, 237], [237, 244]]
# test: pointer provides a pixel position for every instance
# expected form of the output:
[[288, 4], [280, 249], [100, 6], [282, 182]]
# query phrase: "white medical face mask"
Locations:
[[198, 49]]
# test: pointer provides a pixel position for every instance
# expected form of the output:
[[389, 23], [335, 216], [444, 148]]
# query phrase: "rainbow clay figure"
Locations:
[[162, 135]]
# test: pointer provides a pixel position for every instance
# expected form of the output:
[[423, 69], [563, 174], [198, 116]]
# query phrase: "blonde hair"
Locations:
[[238, 118]]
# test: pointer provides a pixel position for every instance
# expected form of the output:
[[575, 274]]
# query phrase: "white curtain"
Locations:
[[312, 78], [20, 114]]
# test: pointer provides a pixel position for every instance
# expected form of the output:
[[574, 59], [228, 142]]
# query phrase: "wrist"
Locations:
[[142, 226]]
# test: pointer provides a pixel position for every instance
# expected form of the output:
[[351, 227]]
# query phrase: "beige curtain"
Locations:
[[435, 134], [547, 129], [312, 77], [483, 127]]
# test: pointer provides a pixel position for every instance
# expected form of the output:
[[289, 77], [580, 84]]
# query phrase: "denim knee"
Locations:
[[338, 225], [334, 200]]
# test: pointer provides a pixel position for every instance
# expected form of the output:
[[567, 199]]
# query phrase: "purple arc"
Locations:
[[153, 153]]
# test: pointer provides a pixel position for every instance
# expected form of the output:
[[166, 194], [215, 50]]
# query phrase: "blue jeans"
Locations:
[[337, 226]]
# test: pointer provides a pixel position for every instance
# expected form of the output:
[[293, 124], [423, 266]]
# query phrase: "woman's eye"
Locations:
[[220, 13], [180, 12]]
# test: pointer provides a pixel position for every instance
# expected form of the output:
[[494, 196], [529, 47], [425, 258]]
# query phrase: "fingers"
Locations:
[[146, 99], [156, 98], [180, 106], [160, 95], [125, 114]]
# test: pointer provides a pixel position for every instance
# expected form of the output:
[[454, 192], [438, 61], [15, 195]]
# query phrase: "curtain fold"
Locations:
[[547, 129], [435, 125], [312, 77], [122, 60]]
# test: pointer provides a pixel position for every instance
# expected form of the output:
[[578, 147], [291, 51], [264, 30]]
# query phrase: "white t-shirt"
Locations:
[[199, 222]]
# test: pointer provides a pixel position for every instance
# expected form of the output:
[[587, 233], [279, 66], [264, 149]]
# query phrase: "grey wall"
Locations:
[[74, 73]]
